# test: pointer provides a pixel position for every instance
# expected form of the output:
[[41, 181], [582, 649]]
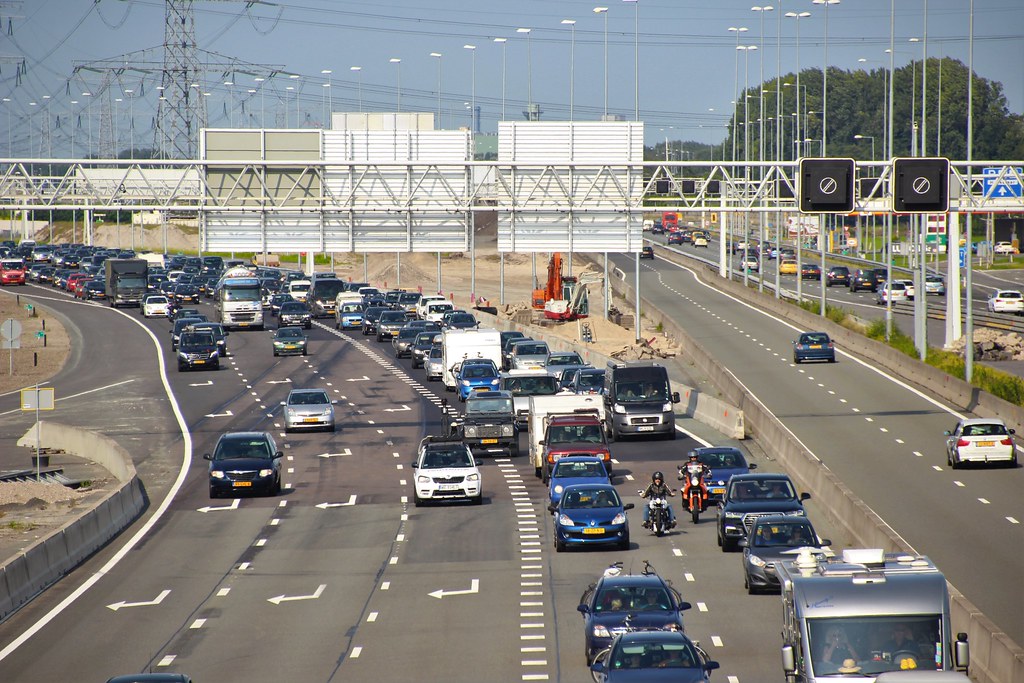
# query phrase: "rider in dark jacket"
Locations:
[[658, 489]]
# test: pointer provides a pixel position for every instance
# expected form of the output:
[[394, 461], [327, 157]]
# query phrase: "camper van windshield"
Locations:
[[873, 645]]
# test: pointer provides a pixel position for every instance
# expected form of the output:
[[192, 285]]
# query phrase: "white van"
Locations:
[[426, 300], [437, 309], [299, 289]]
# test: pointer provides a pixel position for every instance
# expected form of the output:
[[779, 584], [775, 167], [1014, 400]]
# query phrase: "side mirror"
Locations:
[[949, 433], [804, 496], [711, 665], [226, 333], [582, 608], [1012, 431], [552, 508], [279, 454], [742, 543], [207, 456], [415, 465], [683, 606], [628, 506], [752, 466], [675, 397], [826, 541]]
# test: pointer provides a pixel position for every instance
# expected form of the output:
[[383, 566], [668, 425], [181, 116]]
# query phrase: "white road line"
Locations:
[[385, 585], [702, 607], [371, 617], [242, 567], [223, 592], [356, 651], [688, 576], [677, 552], [1012, 520], [716, 641], [166, 661], [198, 623], [260, 543], [984, 501]]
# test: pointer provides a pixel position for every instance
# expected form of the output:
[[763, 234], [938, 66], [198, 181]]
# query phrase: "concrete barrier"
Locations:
[[995, 658], [696, 404], [42, 564]]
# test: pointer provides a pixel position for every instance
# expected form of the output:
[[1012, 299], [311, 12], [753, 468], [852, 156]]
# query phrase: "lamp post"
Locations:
[[736, 88], [503, 42], [604, 11], [330, 96], [115, 128], [571, 23], [969, 318], [437, 56], [889, 128], [131, 121], [858, 136], [358, 71], [636, 75], [398, 67], [260, 80], [231, 104], [529, 72], [885, 96], [746, 147], [780, 151], [7, 105], [800, 229], [251, 91], [472, 111], [824, 80]]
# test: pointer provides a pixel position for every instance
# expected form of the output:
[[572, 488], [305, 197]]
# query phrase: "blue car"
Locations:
[[723, 462], [590, 514], [814, 346], [476, 375], [576, 469], [639, 601], [349, 317], [653, 656]]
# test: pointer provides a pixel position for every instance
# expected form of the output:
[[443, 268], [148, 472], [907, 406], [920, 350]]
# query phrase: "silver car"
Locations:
[[308, 409], [434, 364]]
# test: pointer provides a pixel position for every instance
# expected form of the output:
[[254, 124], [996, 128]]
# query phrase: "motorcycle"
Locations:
[[659, 518], [695, 494]]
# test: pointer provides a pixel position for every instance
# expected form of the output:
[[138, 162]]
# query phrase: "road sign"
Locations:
[[921, 185], [826, 185], [1002, 181], [10, 329], [37, 399], [963, 257]]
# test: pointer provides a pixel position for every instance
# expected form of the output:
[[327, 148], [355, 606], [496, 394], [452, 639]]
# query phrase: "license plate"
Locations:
[[447, 487], [311, 419], [241, 483], [290, 346], [488, 441], [199, 362], [645, 428], [593, 531], [718, 491], [985, 444], [243, 324], [815, 346]]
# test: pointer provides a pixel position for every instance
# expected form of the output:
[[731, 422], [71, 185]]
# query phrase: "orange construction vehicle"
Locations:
[[564, 297], [557, 287]]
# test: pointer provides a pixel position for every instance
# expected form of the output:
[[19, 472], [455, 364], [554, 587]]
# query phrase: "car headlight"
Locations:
[[465, 382], [214, 354], [471, 430], [278, 344], [797, 513], [216, 474], [667, 408], [558, 488], [619, 409], [619, 518], [756, 561], [601, 631], [266, 472], [733, 515], [473, 477], [182, 355], [422, 479], [564, 520], [494, 382], [507, 430]]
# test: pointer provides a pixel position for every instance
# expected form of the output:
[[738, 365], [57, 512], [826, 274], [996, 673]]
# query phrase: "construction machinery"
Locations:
[[564, 297]]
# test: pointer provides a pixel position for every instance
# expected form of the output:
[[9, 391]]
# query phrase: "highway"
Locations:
[[338, 577], [883, 438]]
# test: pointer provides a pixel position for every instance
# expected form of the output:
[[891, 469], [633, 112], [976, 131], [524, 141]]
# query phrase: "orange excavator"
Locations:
[[564, 297]]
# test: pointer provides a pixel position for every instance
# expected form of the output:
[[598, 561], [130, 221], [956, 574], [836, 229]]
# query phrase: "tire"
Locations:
[[954, 462], [536, 472], [728, 546], [624, 543], [478, 499], [417, 501], [796, 361], [275, 490], [213, 493], [275, 353], [559, 544], [305, 352]]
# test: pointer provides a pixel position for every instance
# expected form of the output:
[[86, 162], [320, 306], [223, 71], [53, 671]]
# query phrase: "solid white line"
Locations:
[[150, 523]]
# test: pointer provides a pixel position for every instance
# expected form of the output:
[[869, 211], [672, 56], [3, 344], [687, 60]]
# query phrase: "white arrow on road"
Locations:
[[207, 383], [351, 501], [160, 598], [474, 587], [344, 452], [364, 378], [290, 598], [279, 381], [397, 410], [208, 508], [226, 413]]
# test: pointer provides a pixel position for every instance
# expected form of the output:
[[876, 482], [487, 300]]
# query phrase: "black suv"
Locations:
[[371, 314], [863, 278], [489, 424], [295, 314], [751, 496], [837, 275], [198, 349]]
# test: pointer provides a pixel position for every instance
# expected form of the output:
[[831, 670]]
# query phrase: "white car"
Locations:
[[1006, 301], [1004, 248], [155, 306], [896, 289], [445, 470], [433, 364], [982, 440], [749, 262], [908, 285]]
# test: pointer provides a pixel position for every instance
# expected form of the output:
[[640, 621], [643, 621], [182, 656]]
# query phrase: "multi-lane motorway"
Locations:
[[340, 577]]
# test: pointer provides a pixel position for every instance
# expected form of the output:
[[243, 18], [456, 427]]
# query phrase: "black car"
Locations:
[[220, 335], [461, 320], [186, 294], [295, 313], [647, 252], [197, 349], [403, 343], [370, 316], [277, 301], [658, 229], [772, 539], [421, 347], [675, 238], [863, 279], [179, 327], [244, 462], [645, 601], [751, 496], [653, 656], [837, 275], [810, 271]]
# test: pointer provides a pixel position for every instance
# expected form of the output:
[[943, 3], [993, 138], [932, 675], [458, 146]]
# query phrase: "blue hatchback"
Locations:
[[476, 375], [814, 346], [575, 469], [590, 514], [724, 462]]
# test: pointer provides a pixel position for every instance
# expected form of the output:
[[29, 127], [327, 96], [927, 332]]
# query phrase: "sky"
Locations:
[[689, 67]]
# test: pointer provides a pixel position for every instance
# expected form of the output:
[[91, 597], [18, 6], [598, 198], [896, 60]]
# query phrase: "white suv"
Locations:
[[445, 470]]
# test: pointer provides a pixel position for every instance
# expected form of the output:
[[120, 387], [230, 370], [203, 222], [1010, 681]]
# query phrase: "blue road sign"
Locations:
[[963, 257], [999, 187]]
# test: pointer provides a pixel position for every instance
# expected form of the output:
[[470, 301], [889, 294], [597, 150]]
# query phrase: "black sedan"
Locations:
[[279, 300], [244, 462], [810, 271], [653, 656], [814, 346], [837, 275], [647, 252], [186, 294], [773, 539], [295, 313], [675, 238]]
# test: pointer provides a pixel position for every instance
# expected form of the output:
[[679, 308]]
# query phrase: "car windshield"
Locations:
[[876, 644], [436, 352], [307, 398], [989, 429], [569, 469], [587, 498], [488, 405], [228, 449], [408, 334], [568, 359], [424, 338], [532, 386], [815, 338], [294, 307], [241, 294], [392, 317], [439, 308], [574, 434], [352, 308], [478, 372], [641, 391], [289, 333], [408, 298], [632, 598], [532, 349], [762, 489], [787, 535], [437, 458], [721, 459], [590, 380], [671, 654]]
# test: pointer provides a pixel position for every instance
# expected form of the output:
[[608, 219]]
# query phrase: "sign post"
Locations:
[[37, 399], [10, 331]]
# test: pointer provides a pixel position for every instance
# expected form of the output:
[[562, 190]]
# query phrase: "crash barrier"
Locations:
[[696, 404], [31, 571], [995, 657]]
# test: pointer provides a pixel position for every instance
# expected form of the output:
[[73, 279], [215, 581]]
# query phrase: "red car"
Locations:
[[12, 272]]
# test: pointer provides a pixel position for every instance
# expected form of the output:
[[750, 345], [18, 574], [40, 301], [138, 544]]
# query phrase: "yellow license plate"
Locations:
[[290, 346], [488, 441], [243, 324], [718, 491], [815, 346], [593, 531], [985, 444], [310, 419], [242, 483], [199, 362]]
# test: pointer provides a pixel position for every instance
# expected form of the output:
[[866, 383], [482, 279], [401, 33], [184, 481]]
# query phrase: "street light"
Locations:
[[736, 87], [858, 136], [571, 23], [746, 142], [293, 78], [885, 95], [260, 80], [472, 111], [604, 11], [529, 72], [358, 71], [760, 110], [330, 96], [398, 65], [502, 42], [636, 77], [824, 80], [438, 56]]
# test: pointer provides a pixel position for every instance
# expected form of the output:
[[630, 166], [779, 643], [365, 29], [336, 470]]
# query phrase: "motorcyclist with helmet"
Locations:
[[658, 489], [692, 467]]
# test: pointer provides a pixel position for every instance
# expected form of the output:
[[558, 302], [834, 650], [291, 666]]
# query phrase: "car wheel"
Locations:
[[213, 492], [949, 459], [750, 587], [728, 545], [478, 499], [305, 352], [309, 326], [559, 544], [796, 361], [417, 501], [275, 490], [624, 543], [955, 461], [275, 353]]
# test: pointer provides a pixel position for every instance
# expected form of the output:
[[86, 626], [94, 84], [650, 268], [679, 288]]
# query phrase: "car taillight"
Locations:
[[963, 442], [831, 345], [1007, 441]]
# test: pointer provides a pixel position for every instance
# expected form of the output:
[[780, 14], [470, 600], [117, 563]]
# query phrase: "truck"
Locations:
[[237, 304], [882, 612], [126, 281], [638, 399], [544, 408], [458, 345]]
